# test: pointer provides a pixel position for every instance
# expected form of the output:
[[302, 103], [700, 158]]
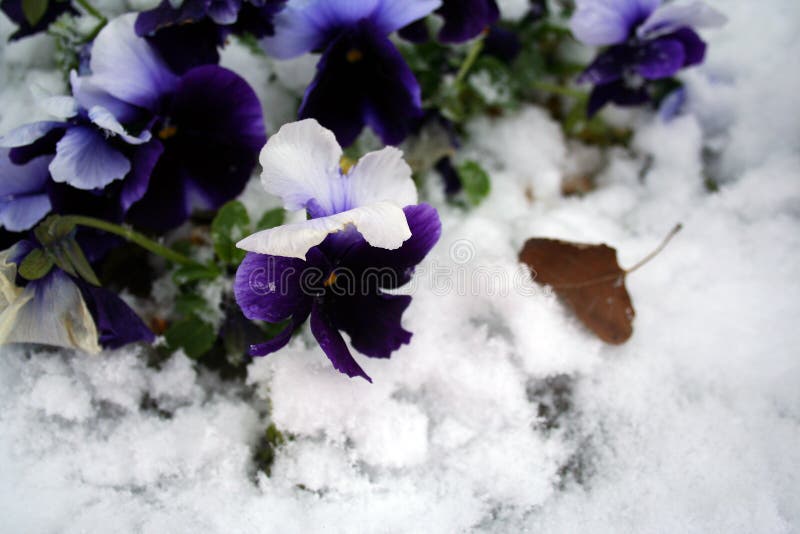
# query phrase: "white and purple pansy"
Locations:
[[364, 236], [62, 311], [646, 40], [463, 20], [362, 79], [207, 122]]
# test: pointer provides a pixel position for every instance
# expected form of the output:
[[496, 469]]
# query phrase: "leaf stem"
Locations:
[[657, 251], [90, 9], [560, 90], [131, 235], [469, 61]]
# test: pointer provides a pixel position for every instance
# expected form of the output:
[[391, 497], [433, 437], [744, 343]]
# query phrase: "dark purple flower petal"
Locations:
[[256, 18], [224, 11], [117, 324], [502, 44], [373, 322], [143, 161], [618, 93], [332, 343], [661, 58], [186, 46], [269, 288], [284, 336], [164, 15], [452, 182], [693, 46], [13, 9], [466, 19], [45, 145], [608, 66], [416, 32], [363, 80], [212, 135]]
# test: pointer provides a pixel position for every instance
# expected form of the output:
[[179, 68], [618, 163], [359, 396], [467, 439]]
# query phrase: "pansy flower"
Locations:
[[207, 120], [86, 151], [361, 80], [364, 235], [190, 34], [62, 311], [14, 11], [463, 20], [647, 41]]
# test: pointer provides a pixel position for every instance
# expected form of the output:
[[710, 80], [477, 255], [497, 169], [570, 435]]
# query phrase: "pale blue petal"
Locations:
[[28, 133], [104, 119], [89, 95], [127, 67], [606, 22], [671, 17], [23, 213], [391, 15], [224, 11], [85, 160], [22, 179]]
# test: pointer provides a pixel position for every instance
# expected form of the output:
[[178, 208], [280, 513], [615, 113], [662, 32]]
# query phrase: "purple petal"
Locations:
[[22, 179], [362, 79], [607, 22], [164, 15], [659, 59], [618, 93], [373, 322], [466, 19], [609, 66], [391, 15], [224, 11], [136, 183], [285, 335], [28, 134], [23, 212], [258, 20], [44, 146], [673, 16], [331, 342], [85, 160], [186, 46], [89, 95], [269, 288], [672, 104], [117, 324], [127, 67], [503, 44], [416, 32], [693, 46]]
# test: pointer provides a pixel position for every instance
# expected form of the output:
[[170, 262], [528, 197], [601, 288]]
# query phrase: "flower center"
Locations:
[[354, 55], [330, 281], [167, 131]]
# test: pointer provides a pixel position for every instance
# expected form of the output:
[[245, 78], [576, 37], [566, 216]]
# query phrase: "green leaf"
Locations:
[[229, 226], [35, 265], [193, 273], [192, 334], [34, 10], [190, 303], [53, 229], [271, 219], [76, 257], [475, 181]]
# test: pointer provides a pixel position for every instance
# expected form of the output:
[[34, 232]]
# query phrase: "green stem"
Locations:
[[560, 90], [469, 61], [91, 10], [132, 236]]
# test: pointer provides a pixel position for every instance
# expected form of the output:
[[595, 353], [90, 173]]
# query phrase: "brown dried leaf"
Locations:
[[589, 279]]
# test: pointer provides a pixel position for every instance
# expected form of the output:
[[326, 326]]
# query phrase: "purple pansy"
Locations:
[[61, 311], [13, 10], [190, 35], [208, 122], [647, 41], [365, 234], [463, 20], [87, 151], [362, 80]]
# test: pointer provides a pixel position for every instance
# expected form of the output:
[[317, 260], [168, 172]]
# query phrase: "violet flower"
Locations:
[[365, 235], [190, 35], [207, 120], [13, 10], [647, 41], [362, 80], [62, 311], [463, 20]]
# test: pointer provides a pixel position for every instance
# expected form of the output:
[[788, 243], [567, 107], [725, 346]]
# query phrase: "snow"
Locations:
[[504, 414]]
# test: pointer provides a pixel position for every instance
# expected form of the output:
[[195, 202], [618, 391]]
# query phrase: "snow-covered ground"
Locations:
[[504, 414]]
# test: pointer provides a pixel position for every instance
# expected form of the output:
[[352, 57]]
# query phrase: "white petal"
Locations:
[[106, 120], [10, 293], [62, 107], [301, 162], [54, 313], [382, 176], [671, 17], [382, 225]]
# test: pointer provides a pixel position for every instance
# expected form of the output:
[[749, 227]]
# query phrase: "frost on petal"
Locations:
[[672, 16], [127, 67], [50, 311], [382, 176], [85, 160], [606, 22], [382, 225], [301, 163]]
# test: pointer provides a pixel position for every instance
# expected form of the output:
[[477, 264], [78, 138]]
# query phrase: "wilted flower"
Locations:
[[361, 77], [14, 11], [62, 311], [463, 20], [648, 41], [365, 235]]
